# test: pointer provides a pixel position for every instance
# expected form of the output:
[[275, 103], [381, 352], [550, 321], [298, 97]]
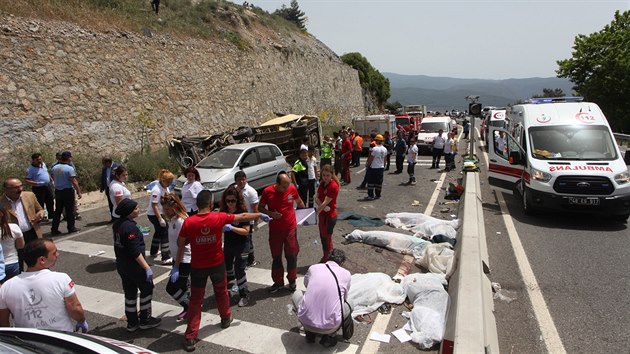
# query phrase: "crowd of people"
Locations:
[[198, 242]]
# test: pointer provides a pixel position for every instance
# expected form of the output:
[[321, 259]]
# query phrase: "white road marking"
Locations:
[[541, 311], [381, 321], [240, 335]]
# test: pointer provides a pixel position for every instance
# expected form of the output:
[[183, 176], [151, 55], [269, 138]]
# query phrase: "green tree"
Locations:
[[547, 92], [393, 106], [371, 79], [600, 69], [293, 14]]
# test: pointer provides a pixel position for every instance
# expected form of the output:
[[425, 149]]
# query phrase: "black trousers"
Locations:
[[160, 238], [134, 279], [64, 201], [375, 182], [311, 193], [179, 290], [400, 159], [235, 264], [437, 155], [303, 192], [45, 198], [109, 203]]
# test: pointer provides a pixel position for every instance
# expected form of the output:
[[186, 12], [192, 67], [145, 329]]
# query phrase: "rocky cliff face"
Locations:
[[66, 87]]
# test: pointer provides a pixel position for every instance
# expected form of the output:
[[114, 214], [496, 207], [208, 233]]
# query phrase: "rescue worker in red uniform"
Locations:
[[327, 209], [346, 157], [277, 202]]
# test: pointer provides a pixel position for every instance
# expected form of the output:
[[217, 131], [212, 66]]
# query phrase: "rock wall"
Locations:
[[65, 87]]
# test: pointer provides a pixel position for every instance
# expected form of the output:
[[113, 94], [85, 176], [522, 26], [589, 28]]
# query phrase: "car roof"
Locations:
[[243, 146]]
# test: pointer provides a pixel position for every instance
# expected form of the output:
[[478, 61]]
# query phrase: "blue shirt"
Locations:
[[38, 174], [63, 173]]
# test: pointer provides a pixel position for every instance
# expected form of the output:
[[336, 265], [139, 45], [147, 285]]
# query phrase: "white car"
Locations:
[[261, 162], [33, 340]]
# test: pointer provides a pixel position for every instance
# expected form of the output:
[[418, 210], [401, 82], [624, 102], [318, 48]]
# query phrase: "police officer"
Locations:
[[133, 269]]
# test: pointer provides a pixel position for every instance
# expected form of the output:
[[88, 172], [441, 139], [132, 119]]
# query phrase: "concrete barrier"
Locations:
[[470, 324]]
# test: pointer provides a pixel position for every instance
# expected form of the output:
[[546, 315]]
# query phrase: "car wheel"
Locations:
[[242, 133], [528, 209]]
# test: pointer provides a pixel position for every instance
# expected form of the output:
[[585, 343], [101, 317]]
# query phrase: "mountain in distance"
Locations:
[[446, 93]]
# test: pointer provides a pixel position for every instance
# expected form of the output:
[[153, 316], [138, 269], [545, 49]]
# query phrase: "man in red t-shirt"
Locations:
[[204, 232], [277, 201]]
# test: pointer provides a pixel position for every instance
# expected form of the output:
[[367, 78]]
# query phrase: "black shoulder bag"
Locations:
[[347, 324]]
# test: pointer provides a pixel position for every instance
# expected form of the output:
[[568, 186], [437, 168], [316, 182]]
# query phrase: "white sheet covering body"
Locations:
[[423, 225], [371, 290], [393, 241], [430, 306]]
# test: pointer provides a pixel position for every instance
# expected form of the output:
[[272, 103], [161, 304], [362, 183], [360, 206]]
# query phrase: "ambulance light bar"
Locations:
[[555, 99]]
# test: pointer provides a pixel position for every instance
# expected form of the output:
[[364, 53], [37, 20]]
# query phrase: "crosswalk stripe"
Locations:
[[254, 275], [241, 335]]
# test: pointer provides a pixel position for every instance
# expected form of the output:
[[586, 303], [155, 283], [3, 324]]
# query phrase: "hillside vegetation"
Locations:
[[209, 19]]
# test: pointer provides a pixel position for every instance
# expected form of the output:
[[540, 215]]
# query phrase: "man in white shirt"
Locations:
[[39, 297], [251, 202], [438, 149], [449, 158], [376, 167], [412, 154]]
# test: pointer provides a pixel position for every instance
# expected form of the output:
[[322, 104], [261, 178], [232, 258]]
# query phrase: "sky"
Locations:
[[492, 39]]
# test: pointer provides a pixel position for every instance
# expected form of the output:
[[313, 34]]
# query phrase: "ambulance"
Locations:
[[559, 154], [496, 118]]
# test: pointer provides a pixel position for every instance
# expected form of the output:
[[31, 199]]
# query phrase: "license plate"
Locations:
[[583, 201]]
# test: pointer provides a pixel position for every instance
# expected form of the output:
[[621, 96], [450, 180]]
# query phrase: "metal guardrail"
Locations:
[[470, 324]]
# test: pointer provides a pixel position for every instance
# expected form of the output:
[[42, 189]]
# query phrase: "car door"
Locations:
[[507, 161], [270, 166], [250, 164]]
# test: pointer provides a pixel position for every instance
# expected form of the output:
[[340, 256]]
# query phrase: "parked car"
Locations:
[[261, 162], [33, 340]]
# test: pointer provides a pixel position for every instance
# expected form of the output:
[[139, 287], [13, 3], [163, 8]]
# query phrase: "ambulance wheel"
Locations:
[[528, 209]]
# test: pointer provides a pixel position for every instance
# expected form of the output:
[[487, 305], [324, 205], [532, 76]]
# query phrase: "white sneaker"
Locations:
[[243, 302], [167, 261]]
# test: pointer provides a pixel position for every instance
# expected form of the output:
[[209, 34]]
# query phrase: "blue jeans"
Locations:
[[11, 270]]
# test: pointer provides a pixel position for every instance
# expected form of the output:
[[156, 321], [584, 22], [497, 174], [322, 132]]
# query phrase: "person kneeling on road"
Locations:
[[319, 307], [134, 271]]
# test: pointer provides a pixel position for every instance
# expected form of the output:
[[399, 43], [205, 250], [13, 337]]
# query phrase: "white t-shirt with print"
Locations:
[[117, 189], [8, 246], [156, 193], [379, 152], [36, 299], [173, 233]]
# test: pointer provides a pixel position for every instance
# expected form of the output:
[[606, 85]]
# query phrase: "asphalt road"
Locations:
[[577, 297], [265, 325]]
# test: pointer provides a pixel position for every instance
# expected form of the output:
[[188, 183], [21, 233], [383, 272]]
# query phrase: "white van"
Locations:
[[429, 128], [560, 154]]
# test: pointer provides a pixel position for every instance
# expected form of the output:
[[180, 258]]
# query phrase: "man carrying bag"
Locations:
[[322, 308]]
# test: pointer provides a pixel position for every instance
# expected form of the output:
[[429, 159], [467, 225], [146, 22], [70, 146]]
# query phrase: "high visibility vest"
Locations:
[[298, 166], [326, 151]]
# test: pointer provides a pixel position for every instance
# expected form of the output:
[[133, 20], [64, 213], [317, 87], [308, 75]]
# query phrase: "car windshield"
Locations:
[[225, 158], [432, 127], [568, 142]]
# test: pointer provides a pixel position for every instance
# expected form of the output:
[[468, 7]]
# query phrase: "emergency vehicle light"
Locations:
[[555, 99]]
